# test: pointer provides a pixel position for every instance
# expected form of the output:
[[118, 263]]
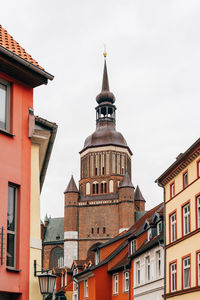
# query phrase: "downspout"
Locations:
[[164, 245]]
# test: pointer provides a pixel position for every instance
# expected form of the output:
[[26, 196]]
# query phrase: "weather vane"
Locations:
[[105, 53]]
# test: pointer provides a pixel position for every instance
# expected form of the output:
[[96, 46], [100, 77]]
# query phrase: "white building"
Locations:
[[149, 263]]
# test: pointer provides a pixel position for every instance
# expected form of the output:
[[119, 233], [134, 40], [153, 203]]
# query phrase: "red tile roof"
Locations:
[[7, 42]]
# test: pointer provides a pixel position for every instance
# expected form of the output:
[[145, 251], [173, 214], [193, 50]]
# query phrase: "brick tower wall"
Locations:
[[70, 228], [97, 223]]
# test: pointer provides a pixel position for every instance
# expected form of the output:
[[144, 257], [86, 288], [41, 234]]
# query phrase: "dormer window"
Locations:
[[97, 256], [133, 246], [159, 227], [149, 234]]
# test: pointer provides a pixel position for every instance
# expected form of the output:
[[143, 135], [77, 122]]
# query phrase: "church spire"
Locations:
[[105, 83], [105, 95]]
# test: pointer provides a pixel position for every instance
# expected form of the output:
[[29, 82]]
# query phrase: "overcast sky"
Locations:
[[154, 71]]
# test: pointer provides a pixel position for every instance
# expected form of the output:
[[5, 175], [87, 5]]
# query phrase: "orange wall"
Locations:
[[121, 295], [103, 283], [117, 258], [107, 250], [15, 162]]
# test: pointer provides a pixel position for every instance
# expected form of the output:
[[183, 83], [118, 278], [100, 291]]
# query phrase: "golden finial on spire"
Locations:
[[105, 53]]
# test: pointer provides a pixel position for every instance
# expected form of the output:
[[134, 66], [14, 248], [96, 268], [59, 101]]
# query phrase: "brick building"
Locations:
[[104, 205]]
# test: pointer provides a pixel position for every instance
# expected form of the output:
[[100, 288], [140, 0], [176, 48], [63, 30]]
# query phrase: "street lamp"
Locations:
[[46, 282]]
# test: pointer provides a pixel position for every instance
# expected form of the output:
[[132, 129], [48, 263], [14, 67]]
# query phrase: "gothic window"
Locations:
[[113, 163], [56, 257], [87, 188], [91, 165], [118, 163], [107, 163], [122, 165], [111, 186]]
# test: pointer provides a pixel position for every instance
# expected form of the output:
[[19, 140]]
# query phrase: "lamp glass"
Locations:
[[47, 283]]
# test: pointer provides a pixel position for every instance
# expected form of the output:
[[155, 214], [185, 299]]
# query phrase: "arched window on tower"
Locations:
[[56, 258], [111, 186], [102, 187], [95, 188], [105, 187], [87, 188]]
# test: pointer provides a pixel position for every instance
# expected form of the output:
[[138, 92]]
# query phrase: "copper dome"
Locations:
[[105, 134]]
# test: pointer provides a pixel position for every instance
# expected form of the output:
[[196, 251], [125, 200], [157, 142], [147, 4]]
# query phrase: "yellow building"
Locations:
[[42, 134], [181, 183]]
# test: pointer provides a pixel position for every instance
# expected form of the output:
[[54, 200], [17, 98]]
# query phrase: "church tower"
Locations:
[[104, 205]]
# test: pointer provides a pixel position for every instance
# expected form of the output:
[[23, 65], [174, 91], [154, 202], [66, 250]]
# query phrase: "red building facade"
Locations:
[[19, 74]]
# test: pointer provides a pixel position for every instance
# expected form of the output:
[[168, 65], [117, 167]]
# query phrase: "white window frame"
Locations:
[[148, 268], [198, 268], [158, 263], [138, 273], [172, 190], [186, 219], [198, 211], [86, 288], [133, 246], [75, 285], [185, 179], [115, 284], [159, 227], [186, 267], [173, 274], [149, 234], [125, 281], [173, 227], [7, 109], [97, 257]]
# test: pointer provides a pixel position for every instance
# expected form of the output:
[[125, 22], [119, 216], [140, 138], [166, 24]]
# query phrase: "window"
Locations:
[[185, 179], [86, 288], [97, 256], [97, 230], [149, 234], [126, 281], [198, 212], [133, 246], [198, 268], [159, 227], [198, 168], [186, 219], [11, 226], [4, 105], [158, 263], [104, 230], [186, 273], [172, 190], [173, 277], [115, 284], [173, 227], [148, 268], [138, 272], [92, 230], [75, 284]]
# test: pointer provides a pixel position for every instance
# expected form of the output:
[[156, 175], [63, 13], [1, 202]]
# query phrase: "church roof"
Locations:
[[138, 195], [71, 186], [126, 182], [55, 230]]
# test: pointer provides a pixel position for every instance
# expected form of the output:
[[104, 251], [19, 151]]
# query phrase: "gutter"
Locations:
[[26, 63]]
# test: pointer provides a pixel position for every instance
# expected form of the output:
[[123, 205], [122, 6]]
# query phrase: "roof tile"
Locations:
[[7, 41]]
